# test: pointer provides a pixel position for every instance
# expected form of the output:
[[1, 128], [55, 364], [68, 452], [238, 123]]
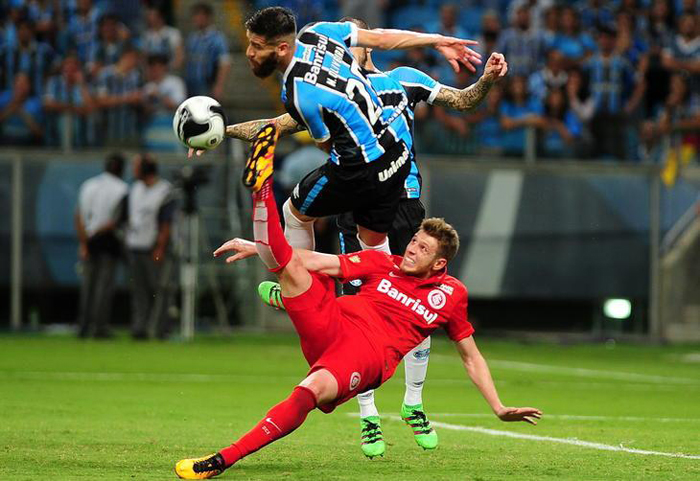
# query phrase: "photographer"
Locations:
[[151, 207]]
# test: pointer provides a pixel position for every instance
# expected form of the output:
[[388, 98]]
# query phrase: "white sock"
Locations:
[[416, 367], [383, 247], [299, 234], [367, 407]]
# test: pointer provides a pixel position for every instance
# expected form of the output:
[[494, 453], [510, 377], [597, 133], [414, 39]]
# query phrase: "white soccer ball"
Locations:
[[200, 123]]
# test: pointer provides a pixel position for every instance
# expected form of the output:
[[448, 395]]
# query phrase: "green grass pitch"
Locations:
[[124, 410]]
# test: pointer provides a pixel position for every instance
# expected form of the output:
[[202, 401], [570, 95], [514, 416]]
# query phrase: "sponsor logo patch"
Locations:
[[356, 282], [355, 259], [422, 354], [448, 289], [437, 299], [354, 380]]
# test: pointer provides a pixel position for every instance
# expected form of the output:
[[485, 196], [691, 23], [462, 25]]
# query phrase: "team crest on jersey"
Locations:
[[448, 289], [354, 380], [355, 259], [437, 299]]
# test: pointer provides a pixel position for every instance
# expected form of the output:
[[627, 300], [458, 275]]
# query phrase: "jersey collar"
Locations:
[[297, 51]]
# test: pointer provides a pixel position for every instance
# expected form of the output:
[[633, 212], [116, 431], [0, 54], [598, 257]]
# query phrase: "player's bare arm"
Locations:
[[285, 125], [470, 97], [479, 373], [328, 264], [455, 50]]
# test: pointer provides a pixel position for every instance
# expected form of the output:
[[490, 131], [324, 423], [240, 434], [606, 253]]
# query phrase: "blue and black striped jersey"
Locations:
[[325, 90], [418, 87]]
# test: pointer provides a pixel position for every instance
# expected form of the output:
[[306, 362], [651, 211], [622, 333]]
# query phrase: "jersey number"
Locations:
[[355, 87]]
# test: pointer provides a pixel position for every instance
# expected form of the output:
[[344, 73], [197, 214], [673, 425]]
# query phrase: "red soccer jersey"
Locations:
[[398, 311]]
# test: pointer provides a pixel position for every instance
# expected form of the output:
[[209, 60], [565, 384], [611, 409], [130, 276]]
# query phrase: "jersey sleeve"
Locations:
[[419, 86], [360, 265], [345, 32], [310, 112], [458, 327]]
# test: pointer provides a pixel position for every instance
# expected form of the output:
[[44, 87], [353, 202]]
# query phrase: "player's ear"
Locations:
[[439, 264]]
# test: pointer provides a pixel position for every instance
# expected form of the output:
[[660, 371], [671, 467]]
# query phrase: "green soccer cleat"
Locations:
[[423, 432], [371, 436], [271, 294]]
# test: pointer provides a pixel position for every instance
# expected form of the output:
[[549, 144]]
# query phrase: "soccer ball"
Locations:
[[200, 123]]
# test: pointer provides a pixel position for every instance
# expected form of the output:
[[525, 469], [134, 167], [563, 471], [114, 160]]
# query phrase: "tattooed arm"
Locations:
[[471, 97], [285, 124]]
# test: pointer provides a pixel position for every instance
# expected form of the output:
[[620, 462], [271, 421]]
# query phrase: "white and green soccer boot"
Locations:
[[371, 437], [423, 432]]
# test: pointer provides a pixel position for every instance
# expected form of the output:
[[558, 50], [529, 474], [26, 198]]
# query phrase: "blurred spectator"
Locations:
[[307, 11], [107, 49], [100, 207], [682, 111], [537, 10], [582, 104], [150, 211], [81, 31], [490, 31], [683, 52], [522, 46], [576, 46], [44, 14], [551, 25], [162, 94], [660, 24], [593, 13], [561, 127], [68, 100], [119, 100], [208, 59], [418, 58], [300, 162], [162, 39], [616, 93], [552, 76], [35, 59], [486, 123], [9, 30], [20, 114], [447, 26], [630, 43], [518, 112]]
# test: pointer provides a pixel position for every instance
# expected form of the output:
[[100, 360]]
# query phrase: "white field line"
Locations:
[[550, 439], [581, 372], [576, 417]]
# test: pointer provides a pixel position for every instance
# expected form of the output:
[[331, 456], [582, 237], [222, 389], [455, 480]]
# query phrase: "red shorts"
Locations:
[[330, 341]]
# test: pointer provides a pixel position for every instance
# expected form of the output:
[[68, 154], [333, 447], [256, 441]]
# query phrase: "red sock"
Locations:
[[281, 420], [273, 248]]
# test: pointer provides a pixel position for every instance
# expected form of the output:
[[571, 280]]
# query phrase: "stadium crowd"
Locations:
[[588, 79], [113, 65]]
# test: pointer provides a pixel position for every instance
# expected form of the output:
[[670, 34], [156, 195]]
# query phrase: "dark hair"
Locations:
[[204, 8], [445, 234], [357, 21], [548, 110], [107, 17], [114, 164], [157, 58], [272, 23], [26, 21], [148, 164]]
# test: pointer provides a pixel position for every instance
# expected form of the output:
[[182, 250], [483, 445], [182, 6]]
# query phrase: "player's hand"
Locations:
[[242, 248], [529, 415], [456, 52], [496, 67], [192, 152]]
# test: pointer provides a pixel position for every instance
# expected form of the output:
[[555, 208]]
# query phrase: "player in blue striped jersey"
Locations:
[[325, 91]]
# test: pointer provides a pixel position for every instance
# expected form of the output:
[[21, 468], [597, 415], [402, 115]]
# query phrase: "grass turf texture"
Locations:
[[125, 410]]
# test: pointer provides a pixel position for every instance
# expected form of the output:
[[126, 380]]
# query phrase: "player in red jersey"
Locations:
[[351, 343]]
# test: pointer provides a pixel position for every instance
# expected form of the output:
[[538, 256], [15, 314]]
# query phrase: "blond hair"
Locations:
[[445, 234]]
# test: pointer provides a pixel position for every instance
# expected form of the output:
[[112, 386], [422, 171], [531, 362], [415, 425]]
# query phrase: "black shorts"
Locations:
[[409, 216], [371, 192]]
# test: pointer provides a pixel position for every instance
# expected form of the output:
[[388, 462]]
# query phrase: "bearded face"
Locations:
[[263, 67]]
